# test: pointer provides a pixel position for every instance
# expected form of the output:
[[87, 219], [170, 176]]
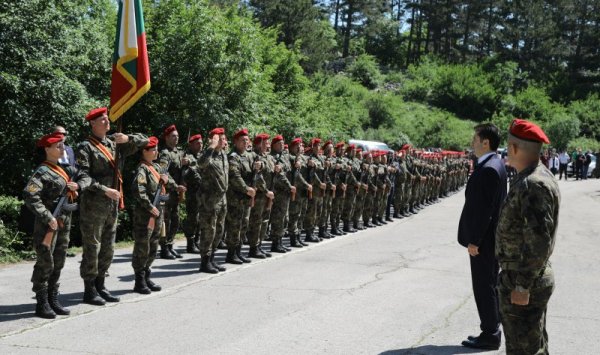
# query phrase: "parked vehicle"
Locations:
[[571, 167], [370, 145]]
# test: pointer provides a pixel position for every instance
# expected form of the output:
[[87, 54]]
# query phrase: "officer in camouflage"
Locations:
[[283, 190], [214, 175], [525, 239], [298, 204], [41, 195], [191, 178], [100, 200]]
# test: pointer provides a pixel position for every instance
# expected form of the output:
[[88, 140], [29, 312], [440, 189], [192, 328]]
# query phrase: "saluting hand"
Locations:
[[214, 141], [121, 138], [113, 194]]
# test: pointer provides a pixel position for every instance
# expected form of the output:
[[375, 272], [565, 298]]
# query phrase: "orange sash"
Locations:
[[60, 172], [156, 176], [108, 155]]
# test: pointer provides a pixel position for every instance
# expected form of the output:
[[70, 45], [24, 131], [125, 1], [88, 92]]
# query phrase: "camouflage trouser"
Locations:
[[407, 194], [238, 217], [313, 211], [98, 223], [398, 198], [359, 205], [368, 205], [145, 241], [297, 212], [381, 203], [266, 217], [326, 210], [348, 204], [171, 218], [279, 213], [525, 326], [191, 227], [337, 206], [212, 223], [256, 219], [49, 261]]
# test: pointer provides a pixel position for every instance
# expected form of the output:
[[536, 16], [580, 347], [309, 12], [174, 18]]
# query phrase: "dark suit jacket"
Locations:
[[485, 193]]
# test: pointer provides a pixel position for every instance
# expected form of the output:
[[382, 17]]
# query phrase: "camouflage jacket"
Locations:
[[191, 174], [145, 185], [170, 161], [241, 174], [214, 174], [281, 183], [527, 225]]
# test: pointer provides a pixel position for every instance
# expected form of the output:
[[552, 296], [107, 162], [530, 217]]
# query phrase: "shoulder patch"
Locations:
[[33, 188], [141, 179]]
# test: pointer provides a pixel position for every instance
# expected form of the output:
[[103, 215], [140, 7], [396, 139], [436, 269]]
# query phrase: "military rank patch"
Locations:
[[141, 179], [33, 188], [164, 164]]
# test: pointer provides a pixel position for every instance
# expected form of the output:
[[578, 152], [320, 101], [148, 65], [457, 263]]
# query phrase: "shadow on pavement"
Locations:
[[17, 311], [433, 350]]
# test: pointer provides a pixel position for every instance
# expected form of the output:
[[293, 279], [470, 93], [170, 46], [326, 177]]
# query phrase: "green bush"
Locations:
[[585, 144], [365, 70], [562, 131]]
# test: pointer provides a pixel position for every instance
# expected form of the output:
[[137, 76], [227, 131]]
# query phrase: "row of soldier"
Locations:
[[307, 193]]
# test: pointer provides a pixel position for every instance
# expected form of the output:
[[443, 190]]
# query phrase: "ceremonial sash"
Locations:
[[156, 176], [108, 155], [60, 172]]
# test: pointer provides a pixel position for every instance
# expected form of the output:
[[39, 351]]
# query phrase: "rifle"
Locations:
[[62, 205], [270, 201], [295, 173], [254, 179], [311, 176], [157, 199]]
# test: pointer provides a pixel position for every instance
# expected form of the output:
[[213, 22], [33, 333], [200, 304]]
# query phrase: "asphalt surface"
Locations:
[[403, 288]]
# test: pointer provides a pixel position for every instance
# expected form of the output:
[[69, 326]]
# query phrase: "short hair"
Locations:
[[533, 148], [490, 132]]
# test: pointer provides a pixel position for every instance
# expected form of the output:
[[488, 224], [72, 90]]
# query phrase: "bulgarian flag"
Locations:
[[130, 69]]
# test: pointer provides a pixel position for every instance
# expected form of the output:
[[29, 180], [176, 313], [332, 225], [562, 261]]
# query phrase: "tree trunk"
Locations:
[[348, 29]]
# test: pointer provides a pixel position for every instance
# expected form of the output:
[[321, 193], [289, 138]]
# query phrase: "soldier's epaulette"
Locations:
[[41, 169]]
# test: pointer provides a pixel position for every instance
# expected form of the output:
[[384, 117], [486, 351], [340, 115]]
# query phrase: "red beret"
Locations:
[[528, 131], [50, 139], [307, 149], [366, 153], [340, 145], [277, 138], [285, 146], [296, 141], [152, 142], [359, 149], [350, 147], [260, 137], [168, 130], [329, 142], [95, 113], [315, 141], [405, 146], [240, 133], [216, 131], [194, 137]]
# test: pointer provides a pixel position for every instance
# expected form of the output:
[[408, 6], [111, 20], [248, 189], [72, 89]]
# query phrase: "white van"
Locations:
[[370, 145]]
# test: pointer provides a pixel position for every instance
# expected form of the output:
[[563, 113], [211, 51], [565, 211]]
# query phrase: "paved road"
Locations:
[[403, 288]]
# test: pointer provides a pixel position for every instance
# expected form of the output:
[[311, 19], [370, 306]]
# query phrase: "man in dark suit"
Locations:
[[485, 192], [68, 158]]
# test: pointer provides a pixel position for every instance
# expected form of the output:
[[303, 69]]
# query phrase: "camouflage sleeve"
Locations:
[[299, 176], [192, 176], [139, 190], [85, 180], [317, 167], [539, 224], [136, 142], [236, 182], [33, 199]]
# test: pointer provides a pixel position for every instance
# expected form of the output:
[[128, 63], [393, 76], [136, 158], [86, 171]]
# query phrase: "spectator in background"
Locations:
[[563, 160], [68, 157], [579, 161], [544, 158], [586, 164], [553, 163]]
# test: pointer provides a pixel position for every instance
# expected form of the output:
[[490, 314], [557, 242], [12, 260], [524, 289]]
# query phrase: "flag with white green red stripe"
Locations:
[[130, 69]]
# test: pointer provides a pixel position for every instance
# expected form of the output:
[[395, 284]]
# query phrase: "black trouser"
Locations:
[[484, 275], [562, 169], [578, 172]]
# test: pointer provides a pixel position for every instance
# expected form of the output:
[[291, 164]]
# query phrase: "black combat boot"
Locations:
[[310, 238], [323, 233], [90, 294], [347, 228], [294, 242], [42, 307], [140, 283], [278, 245], [389, 219], [335, 231], [254, 253], [262, 251], [206, 265], [151, 284], [214, 263], [53, 301], [174, 252], [232, 257], [103, 292], [165, 253], [412, 210], [357, 226], [222, 245], [381, 220], [367, 224], [375, 222], [191, 247], [238, 252], [283, 246]]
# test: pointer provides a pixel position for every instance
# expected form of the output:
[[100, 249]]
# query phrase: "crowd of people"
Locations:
[[558, 162], [260, 189]]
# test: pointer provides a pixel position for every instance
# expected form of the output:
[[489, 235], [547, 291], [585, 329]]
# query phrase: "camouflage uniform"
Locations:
[[170, 161], [282, 189], [145, 244], [297, 210], [352, 187], [329, 175], [371, 181], [361, 194], [241, 176], [98, 213], [315, 206], [191, 177], [400, 191], [257, 228], [524, 242], [41, 195], [214, 175]]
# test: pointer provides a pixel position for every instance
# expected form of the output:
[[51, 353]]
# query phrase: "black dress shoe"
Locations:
[[486, 342]]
